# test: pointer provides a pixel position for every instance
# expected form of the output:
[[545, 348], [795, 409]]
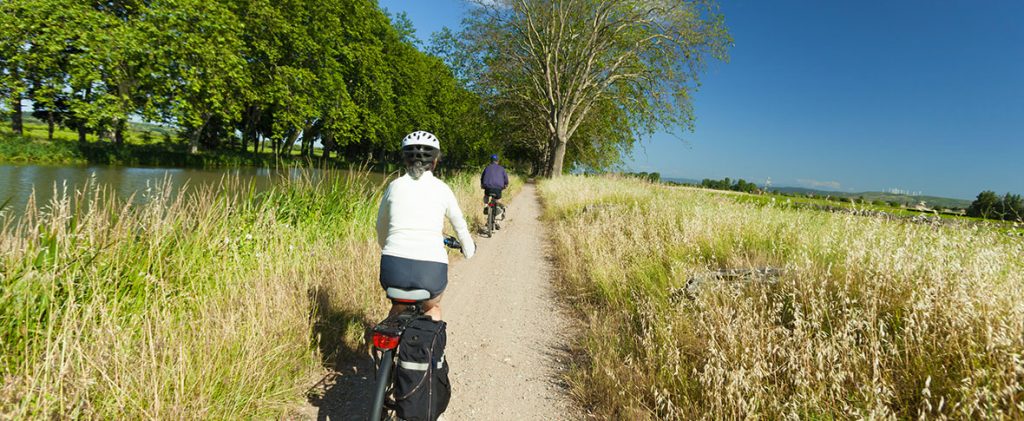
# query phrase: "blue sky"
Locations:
[[923, 96]]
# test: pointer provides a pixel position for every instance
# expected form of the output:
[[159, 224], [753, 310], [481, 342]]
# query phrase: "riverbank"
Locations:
[[33, 150], [219, 304], [699, 305]]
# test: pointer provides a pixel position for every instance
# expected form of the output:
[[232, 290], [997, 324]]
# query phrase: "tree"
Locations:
[[55, 43], [985, 206], [562, 59], [203, 81], [1012, 207], [119, 71], [15, 29]]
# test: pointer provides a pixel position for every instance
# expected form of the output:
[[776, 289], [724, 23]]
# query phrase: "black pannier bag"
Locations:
[[422, 389]]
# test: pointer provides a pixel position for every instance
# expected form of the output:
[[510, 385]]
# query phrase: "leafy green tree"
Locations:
[[51, 25], [15, 33], [985, 206], [744, 186], [121, 69], [561, 59], [602, 140], [1011, 207], [198, 50]]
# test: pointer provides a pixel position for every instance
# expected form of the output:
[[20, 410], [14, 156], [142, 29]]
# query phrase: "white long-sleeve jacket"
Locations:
[[410, 220]]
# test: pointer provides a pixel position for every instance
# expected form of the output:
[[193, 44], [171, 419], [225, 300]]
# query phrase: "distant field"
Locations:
[[869, 209], [833, 315]]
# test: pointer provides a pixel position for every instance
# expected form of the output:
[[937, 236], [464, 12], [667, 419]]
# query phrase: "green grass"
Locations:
[[870, 318]]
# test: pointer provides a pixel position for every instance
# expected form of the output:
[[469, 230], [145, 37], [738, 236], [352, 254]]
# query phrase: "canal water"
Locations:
[[19, 182]]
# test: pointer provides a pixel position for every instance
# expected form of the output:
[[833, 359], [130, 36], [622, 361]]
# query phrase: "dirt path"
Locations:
[[503, 329]]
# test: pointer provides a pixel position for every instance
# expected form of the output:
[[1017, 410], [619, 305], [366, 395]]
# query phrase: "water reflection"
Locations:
[[18, 182]]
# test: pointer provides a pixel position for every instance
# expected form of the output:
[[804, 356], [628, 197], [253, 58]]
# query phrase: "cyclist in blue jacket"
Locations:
[[494, 180]]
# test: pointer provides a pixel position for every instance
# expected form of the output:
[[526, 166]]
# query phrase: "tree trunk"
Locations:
[[193, 142], [559, 139], [307, 140], [289, 143], [196, 135], [82, 130], [50, 124], [557, 156], [16, 124], [251, 114], [119, 132]]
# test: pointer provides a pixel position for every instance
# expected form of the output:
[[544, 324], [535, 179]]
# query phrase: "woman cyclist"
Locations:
[[410, 221]]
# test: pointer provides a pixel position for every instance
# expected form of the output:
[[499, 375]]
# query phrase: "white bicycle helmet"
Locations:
[[420, 151], [420, 137]]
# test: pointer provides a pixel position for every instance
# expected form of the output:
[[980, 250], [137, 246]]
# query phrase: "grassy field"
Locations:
[[884, 211], [218, 304], [859, 317]]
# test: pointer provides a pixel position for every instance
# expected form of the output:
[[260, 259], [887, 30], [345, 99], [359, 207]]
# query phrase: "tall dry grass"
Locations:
[[214, 303], [869, 319]]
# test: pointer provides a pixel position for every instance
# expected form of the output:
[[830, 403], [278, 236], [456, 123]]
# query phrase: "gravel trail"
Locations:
[[503, 333]]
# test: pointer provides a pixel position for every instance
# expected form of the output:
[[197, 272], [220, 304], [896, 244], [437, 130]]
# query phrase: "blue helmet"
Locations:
[[494, 157]]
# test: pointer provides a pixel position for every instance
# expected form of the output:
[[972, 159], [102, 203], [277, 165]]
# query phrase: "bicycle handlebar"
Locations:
[[452, 242]]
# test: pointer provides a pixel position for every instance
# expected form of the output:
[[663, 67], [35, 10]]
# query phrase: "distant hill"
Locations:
[[932, 201]]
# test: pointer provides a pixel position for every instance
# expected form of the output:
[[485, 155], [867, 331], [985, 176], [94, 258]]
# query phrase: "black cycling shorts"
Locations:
[[492, 192], [398, 272]]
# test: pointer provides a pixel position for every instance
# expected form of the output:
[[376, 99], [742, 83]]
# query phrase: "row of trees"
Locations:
[[740, 185], [265, 73], [1010, 207], [654, 177]]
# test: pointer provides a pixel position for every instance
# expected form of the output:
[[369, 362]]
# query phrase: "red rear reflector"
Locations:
[[398, 300], [382, 341]]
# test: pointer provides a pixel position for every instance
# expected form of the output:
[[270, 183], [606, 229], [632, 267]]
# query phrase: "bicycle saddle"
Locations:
[[408, 295]]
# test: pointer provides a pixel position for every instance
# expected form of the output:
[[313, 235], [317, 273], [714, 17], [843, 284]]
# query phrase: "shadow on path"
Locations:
[[344, 392]]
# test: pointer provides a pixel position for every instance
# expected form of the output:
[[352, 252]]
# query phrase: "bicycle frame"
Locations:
[[491, 204], [386, 337]]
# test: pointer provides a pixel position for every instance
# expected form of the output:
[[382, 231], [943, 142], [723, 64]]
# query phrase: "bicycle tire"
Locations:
[[387, 362], [490, 220]]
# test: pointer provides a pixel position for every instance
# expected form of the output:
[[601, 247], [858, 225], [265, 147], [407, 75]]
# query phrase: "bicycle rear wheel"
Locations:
[[490, 220], [387, 362]]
